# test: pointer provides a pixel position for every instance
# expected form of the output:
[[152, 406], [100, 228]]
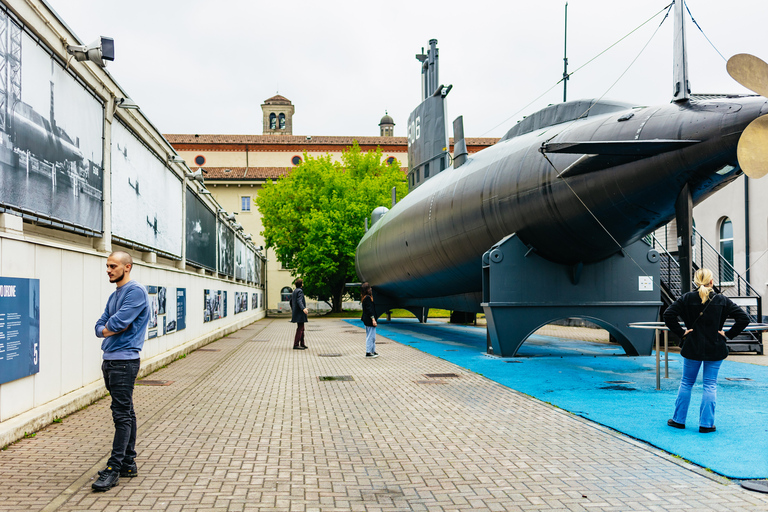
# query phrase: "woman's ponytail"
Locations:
[[701, 279]]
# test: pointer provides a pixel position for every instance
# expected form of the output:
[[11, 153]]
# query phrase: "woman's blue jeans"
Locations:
[[370, 339], [708, 398]]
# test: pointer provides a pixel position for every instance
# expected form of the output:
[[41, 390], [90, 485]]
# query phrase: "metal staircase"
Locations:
[[727, 281]]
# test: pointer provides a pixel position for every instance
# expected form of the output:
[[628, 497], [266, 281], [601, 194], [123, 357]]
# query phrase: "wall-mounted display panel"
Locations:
[[226, 250], [51, 131], [241, 302], [146, 195], [19, 328], [215, 305], [201, 233], [240, 260]]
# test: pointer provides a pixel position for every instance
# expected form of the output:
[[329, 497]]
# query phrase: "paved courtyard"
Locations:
[[247, 423]]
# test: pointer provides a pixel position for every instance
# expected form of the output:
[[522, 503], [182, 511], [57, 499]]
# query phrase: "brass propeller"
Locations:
[[752, 152]]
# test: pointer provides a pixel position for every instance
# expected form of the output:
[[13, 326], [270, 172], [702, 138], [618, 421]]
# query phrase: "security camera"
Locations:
[[126, 103], [196, 176], [99, 51], [230, 217], [175, 159]]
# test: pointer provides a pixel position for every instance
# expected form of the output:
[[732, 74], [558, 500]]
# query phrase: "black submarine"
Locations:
[[548, 223]]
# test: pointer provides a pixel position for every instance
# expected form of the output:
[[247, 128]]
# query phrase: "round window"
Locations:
[[296, 160], [199, 159], [390, 160]]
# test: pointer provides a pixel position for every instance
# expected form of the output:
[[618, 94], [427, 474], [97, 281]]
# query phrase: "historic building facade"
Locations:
[[237, 166]]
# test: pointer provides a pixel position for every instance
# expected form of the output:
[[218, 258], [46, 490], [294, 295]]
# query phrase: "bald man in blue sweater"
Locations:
[[123, 325]]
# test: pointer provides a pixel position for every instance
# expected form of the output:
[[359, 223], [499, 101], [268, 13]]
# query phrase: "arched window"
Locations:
[[272, 121], [285, 294], [282, 121], [726, 250]]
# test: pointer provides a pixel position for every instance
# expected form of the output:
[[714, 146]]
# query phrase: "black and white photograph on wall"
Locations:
[[161, 297], [51, 131], [240, 259], [146, 195], [226, 250], [250, 265], [152, 291], [215, 305], [169, 302], [241, 302], [201, 233], [255, 301]]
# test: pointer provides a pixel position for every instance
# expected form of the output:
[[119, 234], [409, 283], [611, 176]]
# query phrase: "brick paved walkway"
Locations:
[[247, 424]]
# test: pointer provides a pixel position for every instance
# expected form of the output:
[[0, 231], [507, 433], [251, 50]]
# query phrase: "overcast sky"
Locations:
[[197, 66]]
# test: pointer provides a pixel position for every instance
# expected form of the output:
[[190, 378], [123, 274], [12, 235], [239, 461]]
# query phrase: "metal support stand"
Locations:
[[522, 292]]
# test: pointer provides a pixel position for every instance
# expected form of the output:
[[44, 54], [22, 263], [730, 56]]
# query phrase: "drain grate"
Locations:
[[336, 377], [451, 350], [441, 375], [619, 388], [737, 378], [328, 355], [618, 382], [208, 350], [429, 382], [154, 382], [513, 361]]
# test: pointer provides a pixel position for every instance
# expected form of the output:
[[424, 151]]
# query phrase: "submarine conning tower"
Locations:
[[428, 145]]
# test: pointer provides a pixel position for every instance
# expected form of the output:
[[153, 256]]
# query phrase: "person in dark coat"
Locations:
[[704, 344], [369, 320], [299, 314]]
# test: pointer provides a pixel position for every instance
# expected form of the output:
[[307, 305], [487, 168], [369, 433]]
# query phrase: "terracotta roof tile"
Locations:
[[250, 173], [330, 140], [243, 173], [277, 99]]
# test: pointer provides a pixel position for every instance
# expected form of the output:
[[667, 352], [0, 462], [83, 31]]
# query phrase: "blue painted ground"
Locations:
[[598, 382]]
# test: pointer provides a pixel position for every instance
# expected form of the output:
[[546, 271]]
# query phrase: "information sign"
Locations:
[[19, 328]]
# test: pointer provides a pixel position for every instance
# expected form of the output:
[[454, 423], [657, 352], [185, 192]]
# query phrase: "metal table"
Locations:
[[661, 326]]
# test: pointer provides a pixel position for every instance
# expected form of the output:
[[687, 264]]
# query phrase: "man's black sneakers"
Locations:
[[129, 470], [108, 478]]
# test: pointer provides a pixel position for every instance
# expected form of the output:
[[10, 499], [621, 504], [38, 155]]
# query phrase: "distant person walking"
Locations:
[[704, 343], [299, 314], [369, 319], [123, 325]]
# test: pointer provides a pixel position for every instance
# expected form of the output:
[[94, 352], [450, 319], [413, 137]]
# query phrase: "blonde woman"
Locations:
[[704, 312]]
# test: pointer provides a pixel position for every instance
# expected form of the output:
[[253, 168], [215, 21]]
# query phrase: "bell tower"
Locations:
[[278, 116]]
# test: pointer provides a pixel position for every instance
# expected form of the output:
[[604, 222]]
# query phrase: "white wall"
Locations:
[[73, 292]]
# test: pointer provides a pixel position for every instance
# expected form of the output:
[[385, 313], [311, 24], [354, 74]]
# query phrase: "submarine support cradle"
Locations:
[[523, 292]]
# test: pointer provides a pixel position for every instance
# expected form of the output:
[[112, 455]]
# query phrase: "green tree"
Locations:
[[314, 216]]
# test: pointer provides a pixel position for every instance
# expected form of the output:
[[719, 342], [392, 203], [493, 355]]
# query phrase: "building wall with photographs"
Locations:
[[80, 178]]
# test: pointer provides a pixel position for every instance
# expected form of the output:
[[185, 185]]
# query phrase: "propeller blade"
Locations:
[[753, 148], [749, 71]]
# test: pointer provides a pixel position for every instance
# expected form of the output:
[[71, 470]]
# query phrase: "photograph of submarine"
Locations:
[[564, 200]]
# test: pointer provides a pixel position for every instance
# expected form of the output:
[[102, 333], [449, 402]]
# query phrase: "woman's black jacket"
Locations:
[[705, 343], [369, 311]]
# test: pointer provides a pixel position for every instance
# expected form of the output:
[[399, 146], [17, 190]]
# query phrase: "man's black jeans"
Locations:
[[119, 378]]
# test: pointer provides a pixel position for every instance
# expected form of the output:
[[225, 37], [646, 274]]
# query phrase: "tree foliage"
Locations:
[[314, 217]]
